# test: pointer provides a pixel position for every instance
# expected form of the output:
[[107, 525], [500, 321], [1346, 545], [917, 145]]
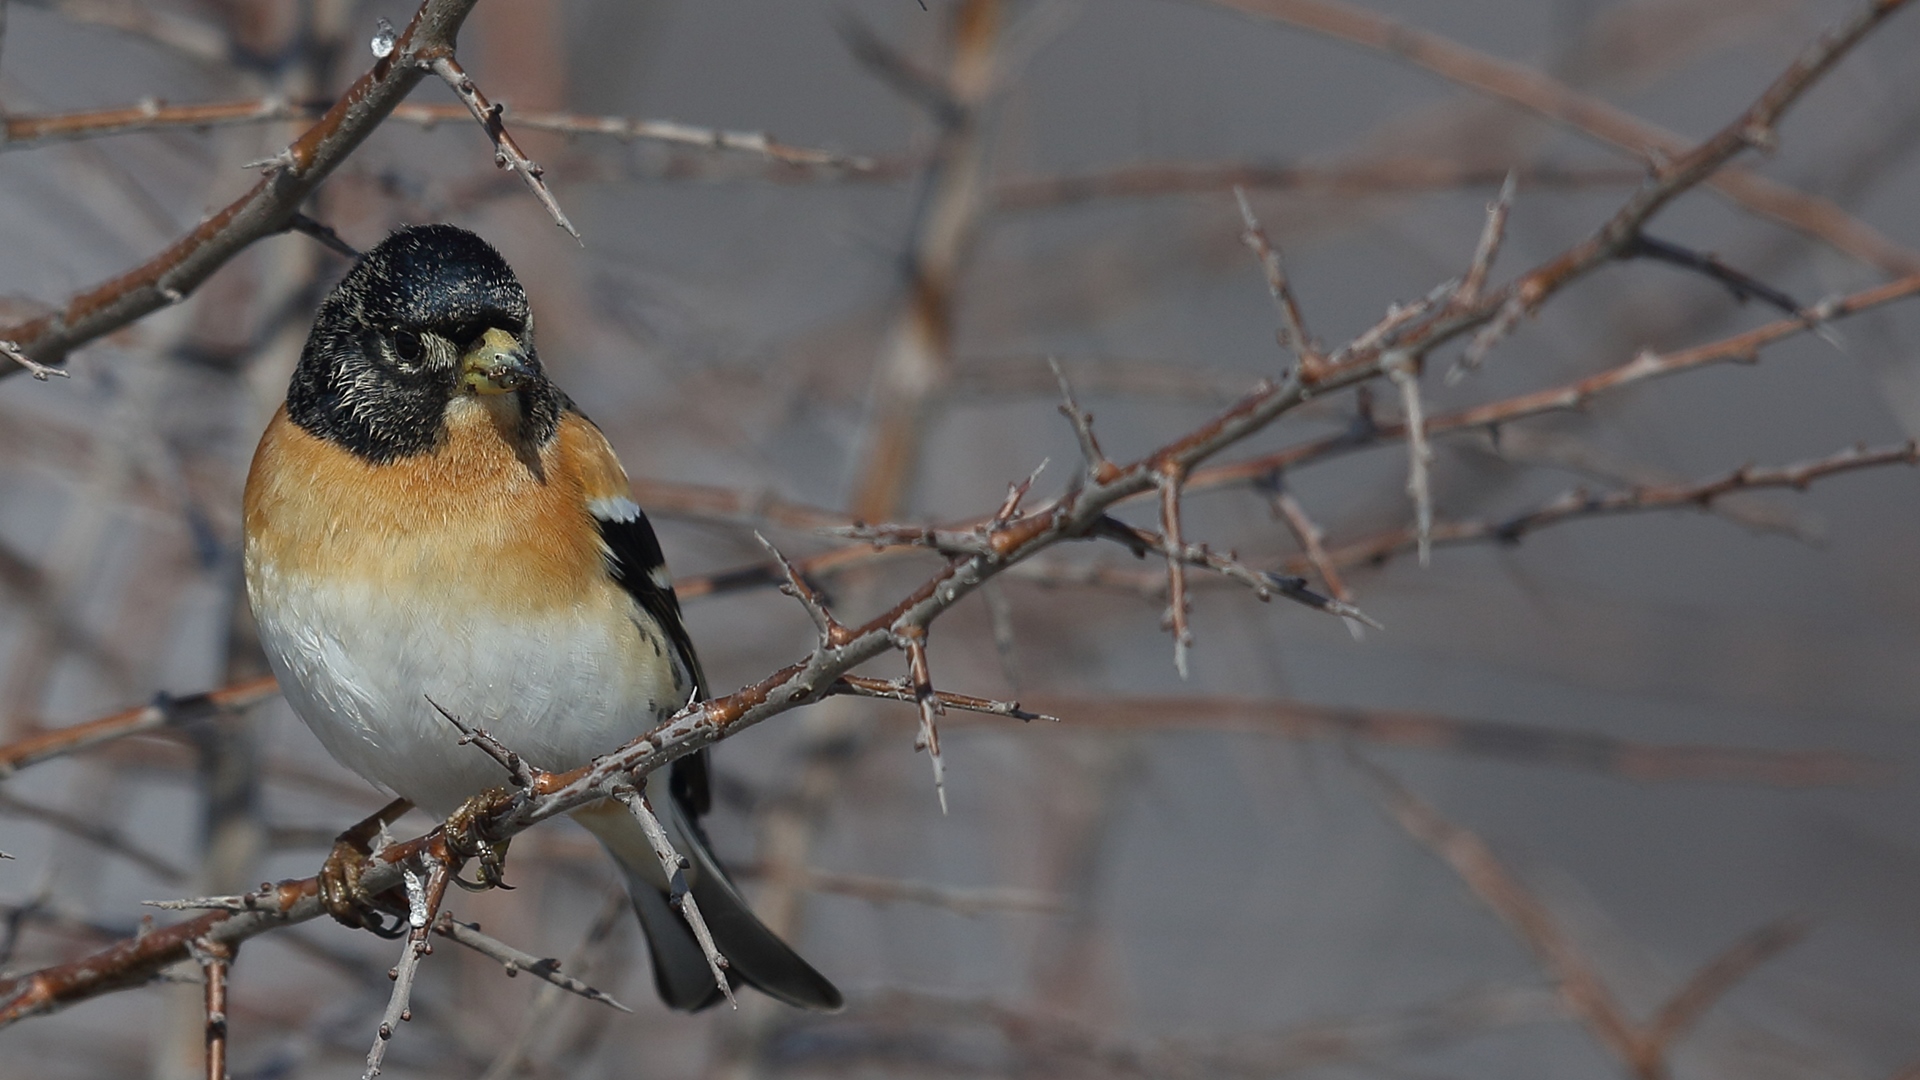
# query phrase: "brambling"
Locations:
[[430, 521]]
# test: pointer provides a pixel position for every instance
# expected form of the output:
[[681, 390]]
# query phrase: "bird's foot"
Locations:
[[465, 839], [341, 892]]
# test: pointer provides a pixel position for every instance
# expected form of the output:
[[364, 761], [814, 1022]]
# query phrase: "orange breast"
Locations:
[[476, 521]]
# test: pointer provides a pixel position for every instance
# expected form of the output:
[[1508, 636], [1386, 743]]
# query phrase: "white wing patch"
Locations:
[[614, 508]]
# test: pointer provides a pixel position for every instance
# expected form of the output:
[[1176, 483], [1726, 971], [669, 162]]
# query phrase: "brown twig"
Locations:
[[1712, 981], [913, 641], [1642, 1048], [916, 352], [1098, 467], [1743, 347], [215, 959], [506, 150], [521, 773], [796, 586], [164, 712], [1585, 995], [23, 130]]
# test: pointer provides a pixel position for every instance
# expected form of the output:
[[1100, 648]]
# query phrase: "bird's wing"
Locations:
[[635, 562]]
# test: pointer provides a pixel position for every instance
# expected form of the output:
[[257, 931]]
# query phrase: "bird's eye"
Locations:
[[406, 345]]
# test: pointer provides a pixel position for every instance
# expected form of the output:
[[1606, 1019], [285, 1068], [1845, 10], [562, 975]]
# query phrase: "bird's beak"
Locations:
[[495, 365]]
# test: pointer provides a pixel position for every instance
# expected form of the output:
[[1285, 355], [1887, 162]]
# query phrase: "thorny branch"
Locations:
[[24, 130], [515, 961], [215, 960], [1579, 503], [674, 866], [164, 712], [1077, 513], [169, 276], [506, 150], [423, 906], [1293, 327]]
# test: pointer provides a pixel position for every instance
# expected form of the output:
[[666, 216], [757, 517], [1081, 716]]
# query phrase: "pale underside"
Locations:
[[359, 664]]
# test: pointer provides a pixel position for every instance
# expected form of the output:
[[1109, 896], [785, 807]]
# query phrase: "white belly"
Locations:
[[359, 665]]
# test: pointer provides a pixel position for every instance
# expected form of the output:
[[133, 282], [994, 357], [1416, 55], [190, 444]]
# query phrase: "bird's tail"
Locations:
[[680, 972]]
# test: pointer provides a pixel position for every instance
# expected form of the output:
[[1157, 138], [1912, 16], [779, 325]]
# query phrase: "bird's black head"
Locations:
[[430, 314]]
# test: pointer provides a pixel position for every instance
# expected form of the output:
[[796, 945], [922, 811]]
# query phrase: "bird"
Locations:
[[430, 523]]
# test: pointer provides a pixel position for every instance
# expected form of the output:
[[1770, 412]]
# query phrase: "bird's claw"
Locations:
[[463, 831], [342, 893]]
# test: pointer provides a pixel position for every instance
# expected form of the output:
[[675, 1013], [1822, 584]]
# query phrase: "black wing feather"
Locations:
[[640, 568]]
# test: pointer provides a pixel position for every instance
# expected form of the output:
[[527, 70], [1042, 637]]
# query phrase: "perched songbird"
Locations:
[[430, 521]]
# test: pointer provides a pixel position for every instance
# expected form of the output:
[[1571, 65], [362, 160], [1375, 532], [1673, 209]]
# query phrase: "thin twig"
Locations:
[[1743, 348], [164, 712], [1715, 978], [26, 130], [1264, 583], [324, 233], [1178, 607], [522, 774], [885, 890], [905, 690], [1741, 285], [39, 371], [1400, 368], [1370, 176], [423, 906], [1525, 744], [913, 641], [1293, 334], [674, 866], [796, 586], [506, 151], [215, 958], [1579, 503], [1489, 246], [1311, 539], [516, 961], [1581, 988], [1098, 467]]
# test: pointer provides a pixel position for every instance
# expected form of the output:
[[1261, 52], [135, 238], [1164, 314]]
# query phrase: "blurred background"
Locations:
[[1222, 876]]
